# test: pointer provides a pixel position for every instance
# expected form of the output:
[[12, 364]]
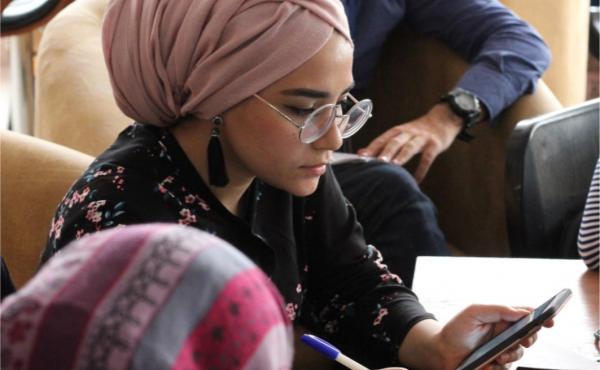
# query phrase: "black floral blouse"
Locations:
[[312, 248]]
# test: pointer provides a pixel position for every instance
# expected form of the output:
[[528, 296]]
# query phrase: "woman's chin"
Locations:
[[297, 186], [303, 188]]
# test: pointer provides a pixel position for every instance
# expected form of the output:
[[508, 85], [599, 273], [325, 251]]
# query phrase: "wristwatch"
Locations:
[[465, 105]]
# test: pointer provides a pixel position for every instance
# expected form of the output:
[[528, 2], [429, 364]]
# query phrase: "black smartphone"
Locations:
[[516, 332]]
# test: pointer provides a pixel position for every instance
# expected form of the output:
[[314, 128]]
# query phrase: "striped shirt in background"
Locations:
[[588, 241]]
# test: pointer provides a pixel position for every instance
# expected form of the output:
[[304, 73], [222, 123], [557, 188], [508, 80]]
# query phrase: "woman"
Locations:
[[239, 105], [119, 299]]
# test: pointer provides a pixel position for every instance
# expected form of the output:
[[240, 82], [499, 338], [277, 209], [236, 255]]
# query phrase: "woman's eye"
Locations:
[[346, 104], [300, 112]]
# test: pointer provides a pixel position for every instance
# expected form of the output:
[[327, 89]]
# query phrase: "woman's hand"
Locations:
[[429, 345], [478, 324]]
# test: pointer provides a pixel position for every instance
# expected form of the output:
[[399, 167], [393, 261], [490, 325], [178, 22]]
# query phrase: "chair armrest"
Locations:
[[35, 176]]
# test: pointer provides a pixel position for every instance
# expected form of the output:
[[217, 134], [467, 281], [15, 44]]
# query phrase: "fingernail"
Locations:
[[385, 158]]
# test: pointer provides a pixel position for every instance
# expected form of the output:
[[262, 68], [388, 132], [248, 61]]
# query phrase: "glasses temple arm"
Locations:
[[278, 111]]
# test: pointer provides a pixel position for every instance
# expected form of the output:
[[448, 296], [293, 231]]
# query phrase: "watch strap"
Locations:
[[469, 118], [464, 135]]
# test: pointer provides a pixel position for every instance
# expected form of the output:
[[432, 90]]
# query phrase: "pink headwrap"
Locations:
[[168, 59], [157, 296]]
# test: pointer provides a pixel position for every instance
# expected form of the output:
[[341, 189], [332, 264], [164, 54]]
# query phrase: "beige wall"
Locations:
[[564, 26]]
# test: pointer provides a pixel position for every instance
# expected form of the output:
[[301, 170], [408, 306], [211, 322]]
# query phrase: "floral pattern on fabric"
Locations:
[[86, 200], [311, 248]]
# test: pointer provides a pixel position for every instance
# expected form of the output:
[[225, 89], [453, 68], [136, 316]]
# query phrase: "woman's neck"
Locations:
[[193, 136]]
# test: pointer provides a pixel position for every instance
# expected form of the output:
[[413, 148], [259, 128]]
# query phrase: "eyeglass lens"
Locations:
[[349, 122]]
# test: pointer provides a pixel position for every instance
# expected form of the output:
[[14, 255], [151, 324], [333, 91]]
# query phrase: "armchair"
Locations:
[[550, 163], [35, 176], [74, 105]]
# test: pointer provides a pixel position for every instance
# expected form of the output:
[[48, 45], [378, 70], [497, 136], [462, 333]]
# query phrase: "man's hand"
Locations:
[[428, 135]]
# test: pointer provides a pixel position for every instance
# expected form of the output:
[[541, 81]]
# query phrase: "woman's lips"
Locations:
[[315, 170]]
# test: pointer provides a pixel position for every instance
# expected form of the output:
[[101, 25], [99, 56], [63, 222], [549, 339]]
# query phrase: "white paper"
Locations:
[[546, 354], [339, 158]]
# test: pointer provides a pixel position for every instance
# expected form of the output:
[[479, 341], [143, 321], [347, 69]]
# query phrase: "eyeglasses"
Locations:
[[352, 116]]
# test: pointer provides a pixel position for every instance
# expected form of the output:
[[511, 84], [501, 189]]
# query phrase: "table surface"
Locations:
[[446, 285]]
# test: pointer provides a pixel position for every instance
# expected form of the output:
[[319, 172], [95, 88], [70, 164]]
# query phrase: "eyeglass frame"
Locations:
[[301, 126]]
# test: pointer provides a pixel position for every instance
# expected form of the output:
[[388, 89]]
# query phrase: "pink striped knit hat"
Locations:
[[142, 297]]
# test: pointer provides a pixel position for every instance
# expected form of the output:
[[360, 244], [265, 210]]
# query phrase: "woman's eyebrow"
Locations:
[[311, 93]]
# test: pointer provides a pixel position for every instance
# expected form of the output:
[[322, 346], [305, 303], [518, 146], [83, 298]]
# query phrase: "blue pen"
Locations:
[[331, 352]]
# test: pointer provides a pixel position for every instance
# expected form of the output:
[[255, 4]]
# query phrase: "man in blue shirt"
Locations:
[[506, 56]]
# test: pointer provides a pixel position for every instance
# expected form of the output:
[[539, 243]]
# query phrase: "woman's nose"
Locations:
[[332, 139]]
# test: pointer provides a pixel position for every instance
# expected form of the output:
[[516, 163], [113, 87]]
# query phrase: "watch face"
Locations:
[[467, 102]]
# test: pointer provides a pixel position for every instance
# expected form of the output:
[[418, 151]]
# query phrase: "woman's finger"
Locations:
[[511, 355], [528, 342]]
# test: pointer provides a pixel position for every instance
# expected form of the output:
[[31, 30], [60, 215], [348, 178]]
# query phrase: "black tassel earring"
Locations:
[[217, 173]]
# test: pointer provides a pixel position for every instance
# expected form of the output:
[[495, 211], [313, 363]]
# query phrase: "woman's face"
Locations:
[[258, 141]]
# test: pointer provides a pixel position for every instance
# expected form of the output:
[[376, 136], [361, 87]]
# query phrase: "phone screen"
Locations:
[[516, 331]]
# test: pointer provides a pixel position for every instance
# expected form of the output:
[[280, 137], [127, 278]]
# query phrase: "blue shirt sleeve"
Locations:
[[506, 54]]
